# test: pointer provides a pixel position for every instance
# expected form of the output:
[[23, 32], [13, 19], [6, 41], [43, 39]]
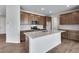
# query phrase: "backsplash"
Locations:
[[28, 27], [70, 27]]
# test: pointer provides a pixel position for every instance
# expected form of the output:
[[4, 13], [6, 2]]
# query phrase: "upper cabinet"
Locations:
[[43, 21], [69, 18], [28, 18], [24, 18], [31, 18], [76, 17], [37, 18]]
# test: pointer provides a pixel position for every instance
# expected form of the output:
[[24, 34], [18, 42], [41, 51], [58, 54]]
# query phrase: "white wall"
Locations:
[[2, 24], [55, 22], [48, 26], [13, 24]]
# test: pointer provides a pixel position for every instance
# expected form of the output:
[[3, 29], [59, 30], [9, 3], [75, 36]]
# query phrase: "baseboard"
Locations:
[[53, 46], [2, 33], [12, 41]]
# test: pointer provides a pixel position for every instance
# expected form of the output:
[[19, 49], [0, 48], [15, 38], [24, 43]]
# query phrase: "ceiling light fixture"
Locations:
[[42, 9], [50, 11], [68, 5]]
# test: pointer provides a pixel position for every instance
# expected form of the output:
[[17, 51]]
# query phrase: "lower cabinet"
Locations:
[[64, 35], [22, 36], [71, 34]]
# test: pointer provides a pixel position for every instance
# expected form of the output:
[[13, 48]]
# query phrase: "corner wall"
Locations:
[[55, 22], [2, 24], [13, 24]]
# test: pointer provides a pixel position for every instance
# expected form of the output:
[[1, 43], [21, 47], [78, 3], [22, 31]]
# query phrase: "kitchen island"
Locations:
[[43, 41]]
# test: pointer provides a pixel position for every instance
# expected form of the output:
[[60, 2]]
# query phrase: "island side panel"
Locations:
[[44, 43]]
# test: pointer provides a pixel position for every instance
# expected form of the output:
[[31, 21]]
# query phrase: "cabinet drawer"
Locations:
[[64, 35], [77, 35], [73, 35]]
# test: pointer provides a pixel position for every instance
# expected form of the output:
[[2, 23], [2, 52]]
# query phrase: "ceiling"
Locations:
[[37, 8], [53, 8], [2, 10]]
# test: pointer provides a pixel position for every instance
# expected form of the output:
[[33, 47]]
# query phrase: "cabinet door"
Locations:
[[43, 21], [67, 16], [63, 19], [37, 18], [31, 18], [24, 18], [76, 17], [21, 18], [40, 19], [77, 35], [64, 35], [70, 18], [66, 19], [72, 35]]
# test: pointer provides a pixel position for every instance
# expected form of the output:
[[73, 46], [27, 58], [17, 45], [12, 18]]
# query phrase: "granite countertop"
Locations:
[[69, 27], [36, 34]]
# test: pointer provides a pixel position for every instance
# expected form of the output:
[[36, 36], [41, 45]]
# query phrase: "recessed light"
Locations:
[[50, 11], [42, 9], [68, 5]]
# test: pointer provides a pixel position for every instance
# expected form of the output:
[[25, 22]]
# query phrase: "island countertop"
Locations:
[[43, 41], [36, 34]]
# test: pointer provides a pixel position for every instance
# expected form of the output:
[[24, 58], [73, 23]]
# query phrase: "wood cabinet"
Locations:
[[37, 17], [69, 18], [31, 18], [70, 34], [76, 17], [73, 35], [22, 36], [24, 18], [28, 18], [40, 19], [66, 19], [64, 35], [77, 34], [62, 19], [43, 21]]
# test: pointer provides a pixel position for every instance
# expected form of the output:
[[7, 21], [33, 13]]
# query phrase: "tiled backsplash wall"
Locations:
[[28, 27], [70, 27]]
